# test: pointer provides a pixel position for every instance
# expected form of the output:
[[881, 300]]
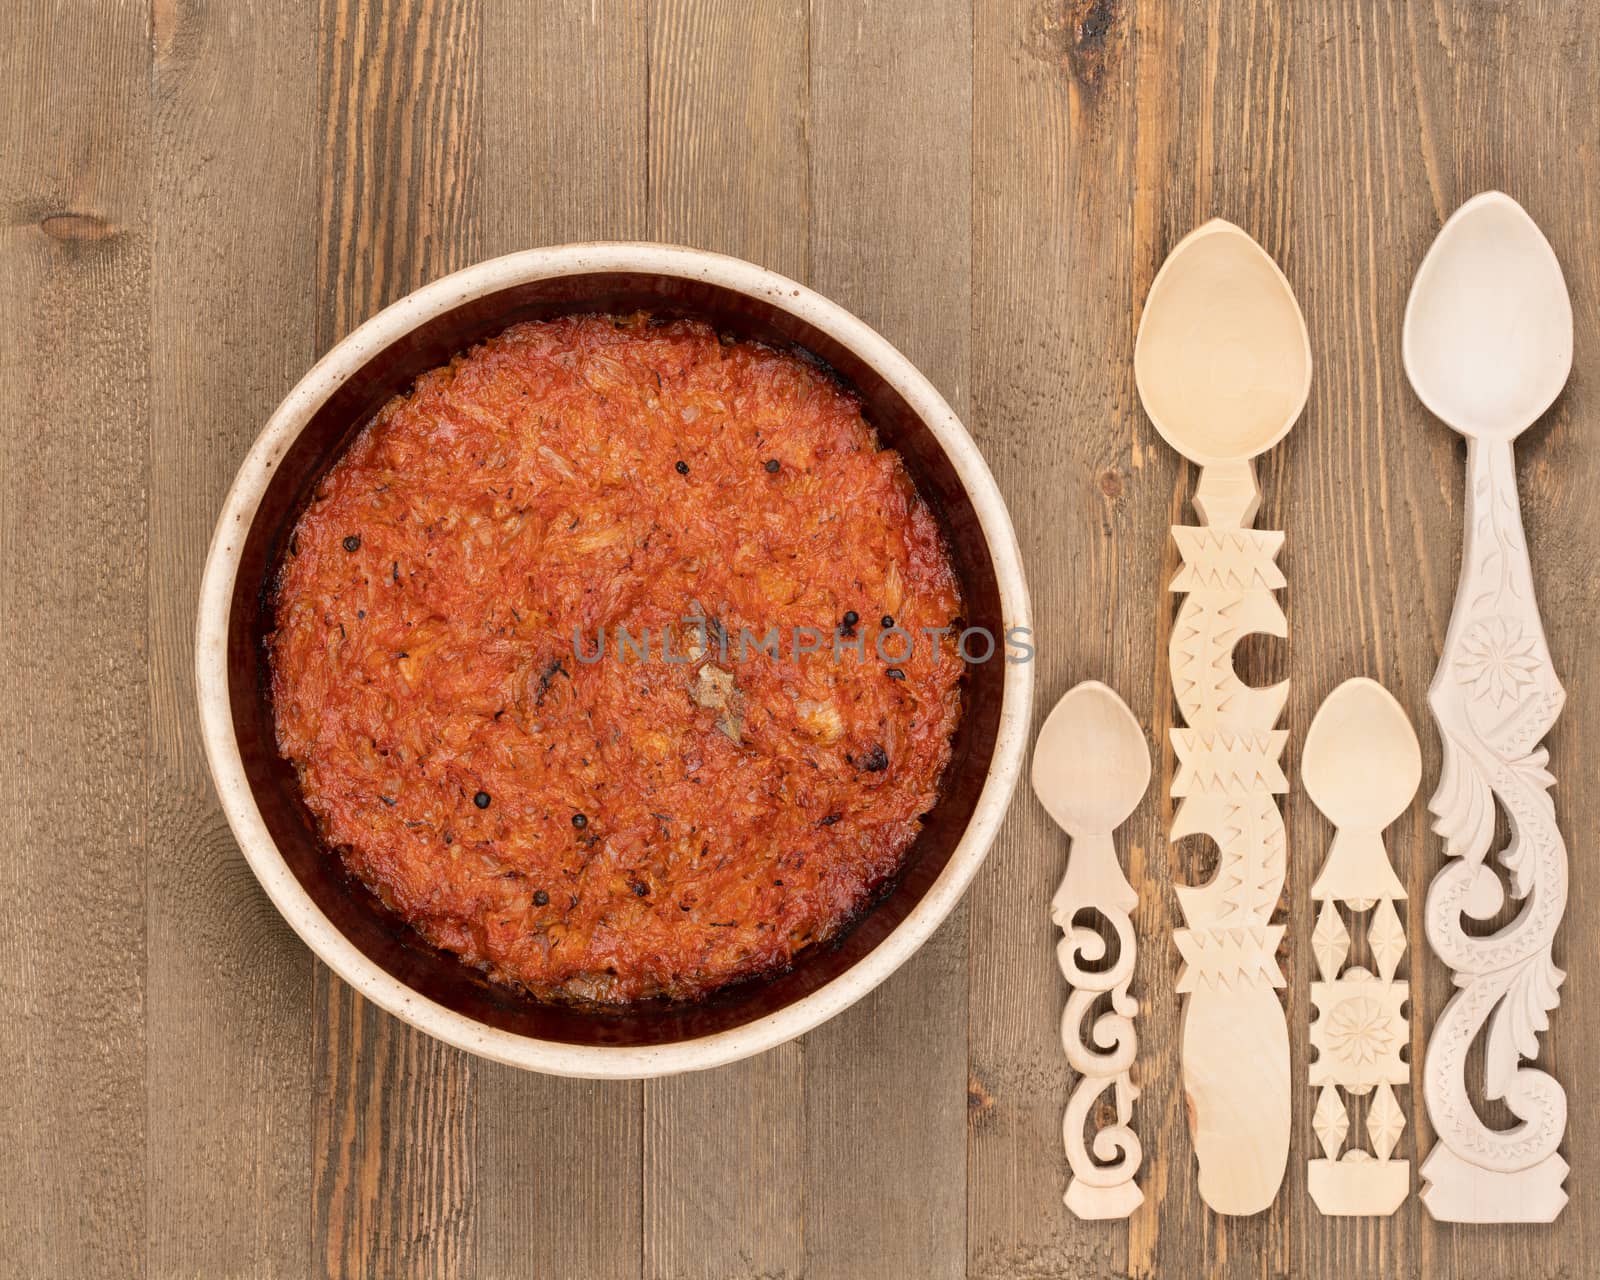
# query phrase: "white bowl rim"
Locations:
[[227, 767]]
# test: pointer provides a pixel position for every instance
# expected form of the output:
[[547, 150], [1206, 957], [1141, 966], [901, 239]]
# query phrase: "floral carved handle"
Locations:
[[1495, 696]]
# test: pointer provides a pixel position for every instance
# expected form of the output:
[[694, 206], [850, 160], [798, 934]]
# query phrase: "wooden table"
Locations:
[[200, 198]]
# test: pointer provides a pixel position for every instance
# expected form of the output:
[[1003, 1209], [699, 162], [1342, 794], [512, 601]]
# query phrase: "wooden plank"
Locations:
[[74, 281], [1216, 149], [1219, 148], [564, 123], [1356, 466], [724, 1150], [564, 158], [394, 1123], [1055, 412], [891, 238], [725, 1184], [729, 101], [232, 317], [1524, 120]]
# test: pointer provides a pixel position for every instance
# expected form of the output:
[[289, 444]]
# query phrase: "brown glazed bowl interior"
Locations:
[[310, 431]]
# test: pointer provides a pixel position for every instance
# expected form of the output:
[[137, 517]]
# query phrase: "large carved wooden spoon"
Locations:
[[1090, 768], [1488, 346], [1223, 364]]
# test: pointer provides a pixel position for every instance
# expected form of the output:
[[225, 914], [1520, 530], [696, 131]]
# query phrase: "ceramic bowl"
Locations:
[[338, 918]]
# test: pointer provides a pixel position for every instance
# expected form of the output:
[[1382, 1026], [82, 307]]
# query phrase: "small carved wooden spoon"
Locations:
[[1361, 765], [1090, 767]]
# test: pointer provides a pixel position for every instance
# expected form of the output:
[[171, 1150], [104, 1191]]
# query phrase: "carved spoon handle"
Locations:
[[1100, 1042], [1495, 681]]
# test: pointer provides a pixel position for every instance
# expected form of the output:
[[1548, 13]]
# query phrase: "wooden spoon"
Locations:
[[1488, 328], [1090, 768], [1488, 347], [1223, 364], [1361, 766]]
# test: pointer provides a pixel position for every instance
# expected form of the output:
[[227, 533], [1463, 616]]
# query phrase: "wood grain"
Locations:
[[74, 280], [1225, 154], [724, 1151], [1477, 126], [886, 1081], [394, 1118], [235, 1132], [558, 1177], [199, 198], [1054, 409], [1368, 469], [565, 123]]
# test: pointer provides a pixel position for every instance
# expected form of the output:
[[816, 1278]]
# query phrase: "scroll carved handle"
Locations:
[[1097, 1026]]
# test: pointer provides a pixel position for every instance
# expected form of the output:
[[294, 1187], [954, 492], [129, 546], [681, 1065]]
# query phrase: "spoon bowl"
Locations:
[[1361, 762], [1222, 360], [1090, 763], [1488, 328]]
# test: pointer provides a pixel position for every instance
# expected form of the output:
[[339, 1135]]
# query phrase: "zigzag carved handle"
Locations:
[[1235, 1037]]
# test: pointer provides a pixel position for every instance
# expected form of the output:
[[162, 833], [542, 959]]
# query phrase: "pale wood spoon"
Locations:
[[1223, 365], [1488, 347], [1090, 767], [1361, 766], [1223, 362]]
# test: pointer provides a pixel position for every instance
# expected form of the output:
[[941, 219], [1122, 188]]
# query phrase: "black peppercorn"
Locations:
[[579, 821], [886, 621], [640, 888], [851, 617], [683, 467], [772, 466], [541, 898], [352, 543], [481, 799], [894, 673]]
